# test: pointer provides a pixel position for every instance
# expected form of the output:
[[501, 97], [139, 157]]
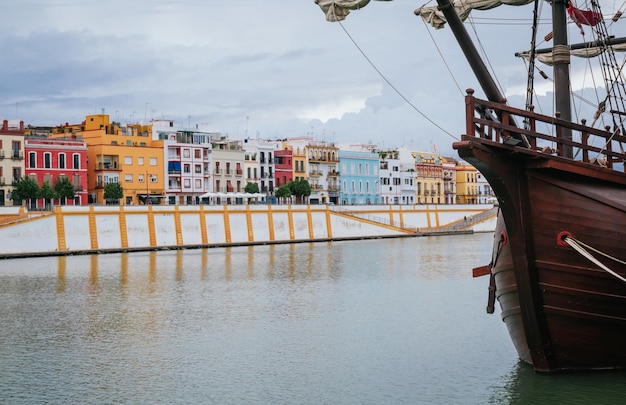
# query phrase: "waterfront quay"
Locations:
[[99, 229]]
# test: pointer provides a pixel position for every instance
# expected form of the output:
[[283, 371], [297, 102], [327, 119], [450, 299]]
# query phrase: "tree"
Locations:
[[251, 188], [65, 190], [47, 193], [25, 189], [300, 188], [283, 192], [113, 192]]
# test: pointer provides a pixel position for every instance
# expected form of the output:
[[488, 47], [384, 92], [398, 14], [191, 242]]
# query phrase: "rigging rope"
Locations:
[[394, 88], [581, 248]]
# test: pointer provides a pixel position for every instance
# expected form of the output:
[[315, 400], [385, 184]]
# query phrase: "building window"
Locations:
[[187, 183], [187, 168], [128, 178], [198, 153], [198, 168], [32, 160], [140, 161], [47, 160], [140, 178], [76, 182], [153, 178], [186, 153], [76, 158], [198, 183], [128, 160], [61, 160], [153, 161]]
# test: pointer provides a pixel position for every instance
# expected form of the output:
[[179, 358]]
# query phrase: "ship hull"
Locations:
[[562, 311]]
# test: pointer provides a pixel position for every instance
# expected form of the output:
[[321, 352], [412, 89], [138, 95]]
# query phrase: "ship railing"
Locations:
[[496, 122]]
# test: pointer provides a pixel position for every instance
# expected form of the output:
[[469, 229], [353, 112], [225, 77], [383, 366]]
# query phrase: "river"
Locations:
[[389, 321]]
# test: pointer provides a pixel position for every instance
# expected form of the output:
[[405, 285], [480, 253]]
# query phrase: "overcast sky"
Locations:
[[267, 68]]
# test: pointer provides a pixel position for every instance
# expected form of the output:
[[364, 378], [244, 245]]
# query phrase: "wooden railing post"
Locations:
[[532, 126], [559, 135], [470, 106], [584, 139]]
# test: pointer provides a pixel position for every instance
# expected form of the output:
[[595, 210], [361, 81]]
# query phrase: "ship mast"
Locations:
[[561, 69], [561, 65]]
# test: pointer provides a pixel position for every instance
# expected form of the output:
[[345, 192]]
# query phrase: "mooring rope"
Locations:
[[581, 248]]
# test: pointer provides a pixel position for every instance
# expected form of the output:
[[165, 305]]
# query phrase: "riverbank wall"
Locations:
[[102, 229]]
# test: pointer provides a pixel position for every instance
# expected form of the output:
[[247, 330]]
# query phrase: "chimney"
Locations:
[[21, 126], [5, 125]]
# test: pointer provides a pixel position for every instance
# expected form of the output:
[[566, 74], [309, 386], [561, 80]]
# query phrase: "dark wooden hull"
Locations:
[[562, 311]]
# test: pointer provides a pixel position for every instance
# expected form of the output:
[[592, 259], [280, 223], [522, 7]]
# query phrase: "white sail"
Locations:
[[435, 17], [338, 10], [581, 52]]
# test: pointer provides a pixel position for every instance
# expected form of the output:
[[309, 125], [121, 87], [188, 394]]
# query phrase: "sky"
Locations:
[[253, 68]]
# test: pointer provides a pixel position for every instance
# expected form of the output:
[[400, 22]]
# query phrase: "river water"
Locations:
[[390, 321]]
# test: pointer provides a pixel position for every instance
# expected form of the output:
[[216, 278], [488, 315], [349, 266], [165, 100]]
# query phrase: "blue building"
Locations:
[[359, 177]]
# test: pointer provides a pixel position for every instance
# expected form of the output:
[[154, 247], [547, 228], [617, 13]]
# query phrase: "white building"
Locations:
[[188, 162], [397, 177]]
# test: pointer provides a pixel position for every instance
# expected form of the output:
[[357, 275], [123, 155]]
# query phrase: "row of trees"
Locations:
[[28, 189], [296, 188]]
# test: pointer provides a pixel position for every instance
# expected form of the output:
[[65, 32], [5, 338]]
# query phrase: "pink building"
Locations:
[[47, 159]]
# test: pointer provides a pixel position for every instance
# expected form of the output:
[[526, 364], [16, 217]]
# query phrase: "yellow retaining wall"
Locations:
[[117, 228]]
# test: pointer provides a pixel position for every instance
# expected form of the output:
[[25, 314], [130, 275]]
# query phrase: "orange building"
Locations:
[[117, 154]]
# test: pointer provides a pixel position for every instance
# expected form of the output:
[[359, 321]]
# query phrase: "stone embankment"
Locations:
[[102, 229]]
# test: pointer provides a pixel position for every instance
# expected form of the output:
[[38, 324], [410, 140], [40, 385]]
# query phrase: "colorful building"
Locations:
[[359, 172], [228, 161], [283, 166], [11, 158], [466, 184], [125, 155], [430, 181], [397, 177], [50, 159], [187, 155]]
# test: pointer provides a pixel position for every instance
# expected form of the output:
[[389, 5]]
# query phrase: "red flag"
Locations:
[[583, 17]]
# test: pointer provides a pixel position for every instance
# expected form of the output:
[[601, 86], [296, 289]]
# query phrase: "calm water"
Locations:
[[364, 322]]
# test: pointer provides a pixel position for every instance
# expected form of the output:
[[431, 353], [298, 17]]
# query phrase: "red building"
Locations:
[[47, 159], [283, 169]]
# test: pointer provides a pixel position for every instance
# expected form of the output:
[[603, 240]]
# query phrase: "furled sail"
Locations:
[[435, 17], [586, 50], [337, 10]]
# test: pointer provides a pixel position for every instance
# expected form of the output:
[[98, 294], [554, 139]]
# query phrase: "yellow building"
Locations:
[[124, 155], [299, 164], [466, 184], [429, 178]]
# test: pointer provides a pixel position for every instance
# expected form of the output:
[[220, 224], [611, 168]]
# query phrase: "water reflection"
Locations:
[[383, 321], [524, 386]]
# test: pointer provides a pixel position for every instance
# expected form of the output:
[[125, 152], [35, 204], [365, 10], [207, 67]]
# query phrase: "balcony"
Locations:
[[2, 181], [15, 181], [315, 173], [1, 154], [17, 155], [108, 166], [333, 173]]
